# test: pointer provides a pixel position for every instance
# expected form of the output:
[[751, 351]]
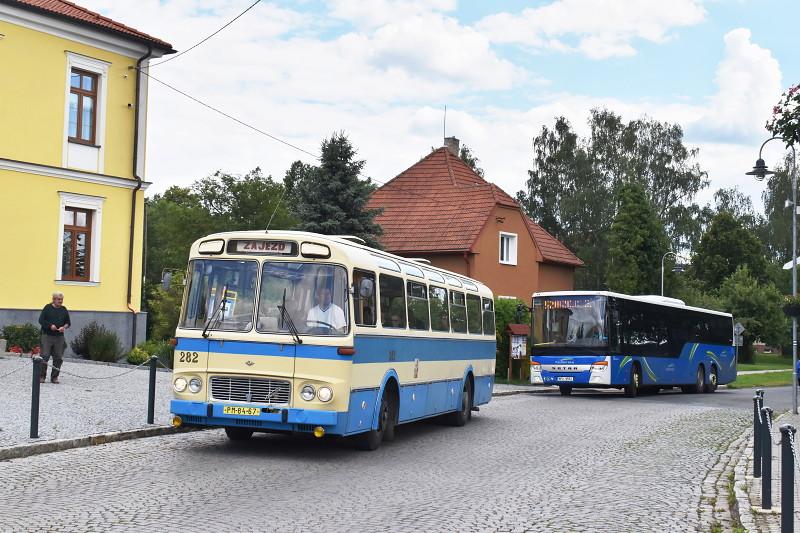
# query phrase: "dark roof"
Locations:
[[518, 329], [75, 13], [440, 205]]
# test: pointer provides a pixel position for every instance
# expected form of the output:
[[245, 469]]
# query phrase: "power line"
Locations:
[[234, 19], [224, 114]]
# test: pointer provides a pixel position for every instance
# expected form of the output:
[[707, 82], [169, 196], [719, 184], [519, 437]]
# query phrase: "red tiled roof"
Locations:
[[75, 13], [519, 329], [440, 205], [552, 250]]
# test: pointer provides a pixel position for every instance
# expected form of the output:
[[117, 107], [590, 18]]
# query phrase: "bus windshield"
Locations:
[[563, 324], [211, 281], [310, 297]]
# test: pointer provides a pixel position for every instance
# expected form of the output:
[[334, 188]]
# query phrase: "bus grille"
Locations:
[[250, 390]]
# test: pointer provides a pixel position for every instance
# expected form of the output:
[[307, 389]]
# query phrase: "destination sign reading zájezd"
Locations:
[[567, 303], [263, 247]]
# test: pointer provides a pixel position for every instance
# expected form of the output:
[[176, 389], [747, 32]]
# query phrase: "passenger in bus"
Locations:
[[326, 314]]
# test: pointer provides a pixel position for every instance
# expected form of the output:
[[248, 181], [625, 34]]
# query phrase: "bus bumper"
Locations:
[[269, 419], [572, 379]]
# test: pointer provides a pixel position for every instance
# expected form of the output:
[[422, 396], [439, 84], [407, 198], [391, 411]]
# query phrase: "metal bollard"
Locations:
[[151, 393], [787, 478], [35, 385], [757, 405], [766, 459]]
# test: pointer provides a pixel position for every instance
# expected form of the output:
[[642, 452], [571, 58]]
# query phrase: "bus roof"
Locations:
[[349, 243], [652, 299]]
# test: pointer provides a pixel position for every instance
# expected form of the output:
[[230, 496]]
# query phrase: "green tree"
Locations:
[[757, 306], [164, 307], [777, 232], [637, 241], [725, 246], [574, 183], [331, 197], [507, 311], [468, 157]]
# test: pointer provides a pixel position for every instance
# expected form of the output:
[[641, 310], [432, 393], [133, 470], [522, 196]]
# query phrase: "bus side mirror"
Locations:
[[366, 288], [166, 280]]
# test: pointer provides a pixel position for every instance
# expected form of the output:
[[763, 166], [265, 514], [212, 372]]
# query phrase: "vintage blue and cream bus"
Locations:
[[298, 332], [583, 339]]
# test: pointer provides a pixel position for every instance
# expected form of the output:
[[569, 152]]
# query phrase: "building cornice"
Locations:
[[68, 174], [74, 31]]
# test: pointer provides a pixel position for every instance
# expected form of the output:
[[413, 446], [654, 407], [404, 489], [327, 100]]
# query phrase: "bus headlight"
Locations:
[[195, 384], [599, 366], [307, 393], [324, 394], [179, 385]]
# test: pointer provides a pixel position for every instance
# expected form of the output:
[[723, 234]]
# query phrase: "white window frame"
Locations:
[[91, 203], [512, 248], [95, 66]]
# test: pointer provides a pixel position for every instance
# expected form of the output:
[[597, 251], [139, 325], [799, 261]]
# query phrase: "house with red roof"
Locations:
[[440, 210]]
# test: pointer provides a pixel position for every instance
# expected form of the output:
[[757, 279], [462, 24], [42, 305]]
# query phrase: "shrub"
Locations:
[[161, 349], [164, 307], [505, 314], [80, 344], [137, 356], [104, 346], [26, 336]]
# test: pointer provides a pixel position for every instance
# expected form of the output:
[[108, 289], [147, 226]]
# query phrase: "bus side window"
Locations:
[[393, 302], [440, 317], [418, 317], [488, 316], [458, 312], [474, 322], [364, 306]]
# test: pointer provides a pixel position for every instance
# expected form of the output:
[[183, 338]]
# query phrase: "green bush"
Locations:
[[164, 307], [105, 346], [161, 349], [26, 336], [80, 344], [505, 311], [137, 356]]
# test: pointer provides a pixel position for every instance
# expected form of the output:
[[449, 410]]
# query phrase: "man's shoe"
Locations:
[[55, 380]]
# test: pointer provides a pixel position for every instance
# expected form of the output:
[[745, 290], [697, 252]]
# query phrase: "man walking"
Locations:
[[54, 320]]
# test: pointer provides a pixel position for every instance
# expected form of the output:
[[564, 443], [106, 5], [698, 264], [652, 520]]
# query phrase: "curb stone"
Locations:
[[26, 450]]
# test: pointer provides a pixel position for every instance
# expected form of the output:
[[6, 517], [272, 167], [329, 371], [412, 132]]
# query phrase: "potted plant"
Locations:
[[791, 306]]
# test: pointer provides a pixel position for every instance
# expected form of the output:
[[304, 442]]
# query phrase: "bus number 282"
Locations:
[[188, 357]]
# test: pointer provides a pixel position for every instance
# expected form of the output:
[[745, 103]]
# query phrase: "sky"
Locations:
[[382, 71]]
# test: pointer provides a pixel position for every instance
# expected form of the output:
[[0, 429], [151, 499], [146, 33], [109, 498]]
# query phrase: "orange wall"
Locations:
[[556, 277]]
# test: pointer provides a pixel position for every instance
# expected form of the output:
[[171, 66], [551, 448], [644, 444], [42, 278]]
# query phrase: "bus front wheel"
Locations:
[[713, 379], [238, 433], [371, 440], [632, 388], [463, 415]]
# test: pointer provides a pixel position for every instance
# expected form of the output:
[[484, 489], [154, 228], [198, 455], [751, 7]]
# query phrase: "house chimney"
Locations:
[[452, 144]]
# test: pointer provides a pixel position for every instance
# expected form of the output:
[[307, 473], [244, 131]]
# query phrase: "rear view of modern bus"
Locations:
[[299, 332], [587, 339]]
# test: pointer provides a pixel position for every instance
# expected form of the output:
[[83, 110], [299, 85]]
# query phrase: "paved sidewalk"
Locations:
[[747, 372], [99, 401]]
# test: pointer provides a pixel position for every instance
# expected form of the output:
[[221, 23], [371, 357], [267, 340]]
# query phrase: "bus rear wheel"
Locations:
[[463, 415], [713, 380], [632, 388], [699, 382], [238, 433], [564, 390]]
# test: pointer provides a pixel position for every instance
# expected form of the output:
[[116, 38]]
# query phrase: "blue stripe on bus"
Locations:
[[368, 349]]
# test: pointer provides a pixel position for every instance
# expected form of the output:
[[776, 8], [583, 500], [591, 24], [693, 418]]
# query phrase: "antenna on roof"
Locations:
[[276, 209]]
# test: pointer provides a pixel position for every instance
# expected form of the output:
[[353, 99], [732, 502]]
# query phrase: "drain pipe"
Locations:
[[135, 190]]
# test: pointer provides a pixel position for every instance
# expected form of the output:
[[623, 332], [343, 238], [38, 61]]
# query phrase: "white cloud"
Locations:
[[376, 13], [601, 28]]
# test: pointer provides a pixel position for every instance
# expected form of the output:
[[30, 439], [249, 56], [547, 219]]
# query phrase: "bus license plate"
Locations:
[[565, 378], [241, 411]]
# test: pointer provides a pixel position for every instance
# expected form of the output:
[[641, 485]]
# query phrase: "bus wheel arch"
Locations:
[[463, 414], [391, 391]]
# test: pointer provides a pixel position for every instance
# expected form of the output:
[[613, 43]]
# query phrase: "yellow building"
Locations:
[[73, 115]]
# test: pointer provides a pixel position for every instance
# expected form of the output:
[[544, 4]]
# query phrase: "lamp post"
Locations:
[[760, 171], [676, 268]]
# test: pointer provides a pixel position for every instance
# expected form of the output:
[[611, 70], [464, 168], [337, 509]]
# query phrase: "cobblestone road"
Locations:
[[525, 463], [77, 407]]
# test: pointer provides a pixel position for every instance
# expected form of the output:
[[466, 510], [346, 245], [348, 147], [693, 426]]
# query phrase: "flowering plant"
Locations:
[[36, 350], [15, 349], [785, 121]]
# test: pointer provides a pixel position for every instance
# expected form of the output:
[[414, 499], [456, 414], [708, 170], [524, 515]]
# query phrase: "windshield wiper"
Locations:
[[220, 307], [285, 316]]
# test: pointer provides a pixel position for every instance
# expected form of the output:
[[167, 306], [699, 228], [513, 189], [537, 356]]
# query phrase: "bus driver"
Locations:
[[326, 314]]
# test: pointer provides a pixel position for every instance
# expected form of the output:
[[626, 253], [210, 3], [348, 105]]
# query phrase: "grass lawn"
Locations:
[[767, 362], [773, 379]]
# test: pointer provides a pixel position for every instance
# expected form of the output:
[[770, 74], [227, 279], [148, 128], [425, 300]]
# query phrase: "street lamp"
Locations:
[[676, 268], [760, 171]]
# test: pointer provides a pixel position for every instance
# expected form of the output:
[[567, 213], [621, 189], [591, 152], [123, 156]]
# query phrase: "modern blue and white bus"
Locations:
[[590, 339], [298, 332]]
